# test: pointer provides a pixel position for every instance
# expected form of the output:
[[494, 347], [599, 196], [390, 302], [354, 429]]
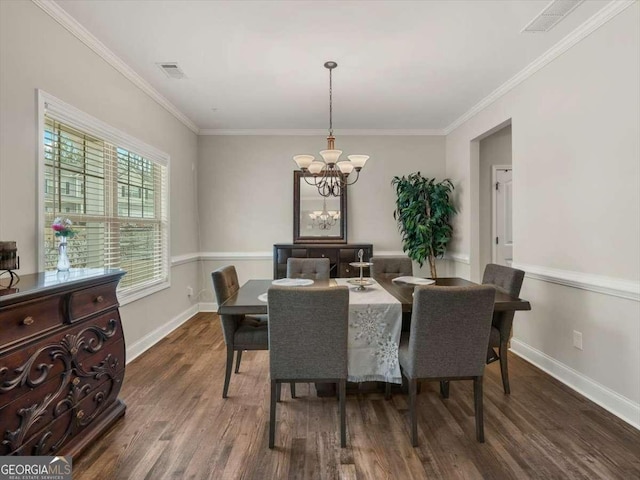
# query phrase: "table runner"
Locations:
[[375, 321]]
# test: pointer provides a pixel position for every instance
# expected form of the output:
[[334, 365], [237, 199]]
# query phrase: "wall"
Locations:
[[493, 150], [576, 150], [38, 53], [246, 192]]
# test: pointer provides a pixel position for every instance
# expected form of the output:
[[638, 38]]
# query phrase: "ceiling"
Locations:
[[405, 65]]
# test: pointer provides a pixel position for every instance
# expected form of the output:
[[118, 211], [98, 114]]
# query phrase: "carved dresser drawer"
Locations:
[[90, 301], [59, 382], [23, 321]]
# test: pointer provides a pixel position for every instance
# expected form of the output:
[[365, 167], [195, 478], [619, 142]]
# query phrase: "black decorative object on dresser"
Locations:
[[339, 255], [62, 361]]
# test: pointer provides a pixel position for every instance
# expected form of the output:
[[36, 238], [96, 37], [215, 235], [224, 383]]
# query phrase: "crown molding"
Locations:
[[56, 12], [72, 25], [585, 281], [605, 14], [323, 132]]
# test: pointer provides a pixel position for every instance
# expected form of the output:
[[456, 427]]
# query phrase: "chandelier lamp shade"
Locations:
[[330, 175]]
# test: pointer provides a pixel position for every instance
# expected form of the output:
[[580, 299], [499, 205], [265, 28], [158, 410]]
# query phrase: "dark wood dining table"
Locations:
[[245, 301]]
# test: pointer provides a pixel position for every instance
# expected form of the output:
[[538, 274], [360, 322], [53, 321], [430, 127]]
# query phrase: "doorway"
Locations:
[[502, 226]]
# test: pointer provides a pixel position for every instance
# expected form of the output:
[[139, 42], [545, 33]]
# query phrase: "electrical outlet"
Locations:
[[577, 339], [189, 292]]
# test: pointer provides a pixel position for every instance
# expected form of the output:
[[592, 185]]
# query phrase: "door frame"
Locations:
[[494, 207]]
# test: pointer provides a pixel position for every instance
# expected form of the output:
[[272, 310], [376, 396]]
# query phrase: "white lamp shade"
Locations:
[[315, 167], [303, 161], [345, 167], [331, 156], [358, 161]]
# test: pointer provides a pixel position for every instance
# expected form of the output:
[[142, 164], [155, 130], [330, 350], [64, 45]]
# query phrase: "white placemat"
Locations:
[[293, 282], [414, 280]]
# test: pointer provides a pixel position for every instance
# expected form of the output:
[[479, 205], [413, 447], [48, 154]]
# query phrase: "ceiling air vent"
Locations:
[[551, 15], [171, 70]]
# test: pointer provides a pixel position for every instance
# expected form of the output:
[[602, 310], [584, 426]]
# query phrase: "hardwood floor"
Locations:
[[178, 426]]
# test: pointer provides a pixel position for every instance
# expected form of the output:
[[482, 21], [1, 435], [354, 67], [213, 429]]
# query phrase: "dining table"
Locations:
[[375, 319]]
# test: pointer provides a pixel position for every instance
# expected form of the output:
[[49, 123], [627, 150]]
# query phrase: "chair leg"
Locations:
[[413, 387], [477, 399], [342, 391], [238, 358], [387, 391], [227, 372], [292, 386], [504, 369], [272, 414], [444, 388], [279, 391]]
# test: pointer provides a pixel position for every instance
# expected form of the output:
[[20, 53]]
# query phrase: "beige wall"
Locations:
[[38, 53], [246, 190], [494, 150], [576, 151]]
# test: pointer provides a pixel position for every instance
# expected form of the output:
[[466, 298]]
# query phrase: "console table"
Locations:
[[339, 255], [62, 361]]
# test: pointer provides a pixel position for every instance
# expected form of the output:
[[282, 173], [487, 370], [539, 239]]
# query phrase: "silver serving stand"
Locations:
[[362, 283]]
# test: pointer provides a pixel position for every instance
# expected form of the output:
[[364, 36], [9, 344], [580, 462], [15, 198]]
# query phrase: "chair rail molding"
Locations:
[[458, 257], [585, 281], [213, 256]]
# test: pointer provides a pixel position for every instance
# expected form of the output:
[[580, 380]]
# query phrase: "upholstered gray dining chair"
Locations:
[[508, 280], [447, 341], [308, 342], [241, 332], [313, 268], [393, 266]]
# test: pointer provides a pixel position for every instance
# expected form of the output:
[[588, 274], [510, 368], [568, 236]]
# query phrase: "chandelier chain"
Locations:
[[330, 103]]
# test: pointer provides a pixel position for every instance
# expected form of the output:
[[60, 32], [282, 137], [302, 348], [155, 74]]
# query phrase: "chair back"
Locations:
[[313, 268], [506, 278], [398, 266], [449, 331], [308, 332], [225, 284]]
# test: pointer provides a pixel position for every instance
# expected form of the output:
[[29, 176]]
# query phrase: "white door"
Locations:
[[502, 224]]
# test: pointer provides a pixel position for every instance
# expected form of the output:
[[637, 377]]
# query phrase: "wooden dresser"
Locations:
[[340, 255], [62, 361]]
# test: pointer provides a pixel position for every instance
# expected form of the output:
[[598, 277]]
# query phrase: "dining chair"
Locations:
[[241, 332], [508, 280], [308, 342], [313, 268], [447, 341], [397, 265]]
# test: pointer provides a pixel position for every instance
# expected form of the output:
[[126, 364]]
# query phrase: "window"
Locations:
[[115, 191]]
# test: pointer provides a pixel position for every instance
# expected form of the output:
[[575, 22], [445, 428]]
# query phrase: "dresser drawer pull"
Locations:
[[28, 321], [99, 299], [80, 414]]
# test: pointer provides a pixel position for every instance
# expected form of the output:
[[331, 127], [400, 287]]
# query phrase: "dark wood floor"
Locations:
[[178, 426]]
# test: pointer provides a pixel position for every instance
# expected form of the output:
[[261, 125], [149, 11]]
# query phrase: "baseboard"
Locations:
[[207, 307], [151, 338], [615, 403]]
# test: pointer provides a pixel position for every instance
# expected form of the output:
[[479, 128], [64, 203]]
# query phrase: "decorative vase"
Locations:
[[63, 259]]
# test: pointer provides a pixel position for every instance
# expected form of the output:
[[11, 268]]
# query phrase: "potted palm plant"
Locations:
[[423, 211]]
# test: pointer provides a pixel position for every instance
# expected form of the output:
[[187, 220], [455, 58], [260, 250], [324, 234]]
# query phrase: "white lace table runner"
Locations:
[[375, 321]]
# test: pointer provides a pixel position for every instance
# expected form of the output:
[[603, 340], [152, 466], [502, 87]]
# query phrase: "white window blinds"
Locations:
[[117, 200]]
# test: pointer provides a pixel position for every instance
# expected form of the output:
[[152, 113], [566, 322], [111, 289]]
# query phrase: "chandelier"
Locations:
[[324, 219], [330, 175]]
